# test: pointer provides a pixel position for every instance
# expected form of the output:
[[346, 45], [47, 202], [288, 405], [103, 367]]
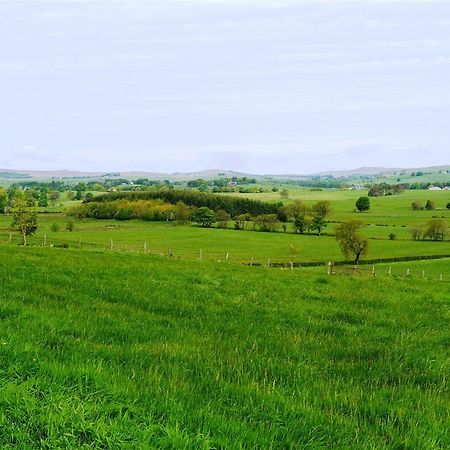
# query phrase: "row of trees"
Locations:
[[430, 205], [30, 197], [308, 219], [435, 230], [232, 205]]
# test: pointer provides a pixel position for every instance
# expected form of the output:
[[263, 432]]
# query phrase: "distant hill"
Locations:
[[211, 174]]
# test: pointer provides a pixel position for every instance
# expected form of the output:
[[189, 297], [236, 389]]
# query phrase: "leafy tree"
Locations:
[[448, 205], [363, 204], [319, 213], [430, 205], [24, 220], [182, 212], [284, 193], [70, 226], [417, 205], [30, 198], [3, 200], [353, 244], [222, 218], [55, 227], [436, 229], [43, 199], [205, 216], [54, 196], [241, 221], [78, 195], [416, 231], [392, 236], [266, 222]]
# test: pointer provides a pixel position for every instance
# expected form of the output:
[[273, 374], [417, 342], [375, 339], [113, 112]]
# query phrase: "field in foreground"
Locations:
[[104, 350]]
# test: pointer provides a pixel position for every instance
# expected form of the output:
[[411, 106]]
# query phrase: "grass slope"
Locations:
[[102, 350]]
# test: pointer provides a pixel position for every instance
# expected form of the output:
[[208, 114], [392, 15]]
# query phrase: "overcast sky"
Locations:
[[257, 86]]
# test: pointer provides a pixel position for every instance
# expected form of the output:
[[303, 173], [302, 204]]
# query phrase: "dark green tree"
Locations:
[[204, 216], [363, 204]]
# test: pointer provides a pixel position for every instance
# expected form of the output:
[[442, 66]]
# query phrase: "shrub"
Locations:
[[54, 228], [392, 236]]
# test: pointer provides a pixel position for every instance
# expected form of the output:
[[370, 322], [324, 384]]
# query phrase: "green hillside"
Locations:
[[116, 350]]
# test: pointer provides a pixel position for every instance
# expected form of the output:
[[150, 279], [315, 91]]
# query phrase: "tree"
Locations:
[[24, 220], [205, 216], [241, 221], [55, 227], [436, 229], [78, 195], [266, 222], [417, 205], [70, 225], [284, 193], [54, 195], [353, 244], [448, 205], [363, 204], [3, 200], [319, 213], [416, 231], [430, 205], [222, 218], [43, 199], [182, 212]]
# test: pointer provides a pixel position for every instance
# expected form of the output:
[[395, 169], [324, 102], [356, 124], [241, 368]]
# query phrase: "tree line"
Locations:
[[232, 205]]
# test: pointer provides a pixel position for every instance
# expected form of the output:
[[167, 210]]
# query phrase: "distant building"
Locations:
[[434, 188]]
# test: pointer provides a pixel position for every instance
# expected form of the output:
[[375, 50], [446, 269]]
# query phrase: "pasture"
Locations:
[[119, 350]]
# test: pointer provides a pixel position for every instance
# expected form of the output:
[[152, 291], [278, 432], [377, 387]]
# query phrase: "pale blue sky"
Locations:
[[257, 86]]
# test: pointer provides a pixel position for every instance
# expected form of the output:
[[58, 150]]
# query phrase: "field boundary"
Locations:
[[349, 263]]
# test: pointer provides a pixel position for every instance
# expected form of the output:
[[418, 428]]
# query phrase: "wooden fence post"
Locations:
[[45, 240], [329, 271], [390, 271], [373, 271], [111, 245]]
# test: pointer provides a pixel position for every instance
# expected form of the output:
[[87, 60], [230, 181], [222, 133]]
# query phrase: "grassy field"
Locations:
[[187, 241], [117, 350]]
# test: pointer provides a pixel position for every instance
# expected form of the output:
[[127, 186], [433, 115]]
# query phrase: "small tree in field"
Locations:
[[416, 231], [319, 213], [284, 193], [363, 204], [205, 216], [353, 244], [430, 205], [24, 220]]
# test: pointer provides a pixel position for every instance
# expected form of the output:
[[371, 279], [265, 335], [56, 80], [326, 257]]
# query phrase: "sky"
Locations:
[[258, 86]]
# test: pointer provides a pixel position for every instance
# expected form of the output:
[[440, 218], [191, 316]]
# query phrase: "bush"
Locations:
[[430, 205], [417, 205], [54, 228], [392, 236]]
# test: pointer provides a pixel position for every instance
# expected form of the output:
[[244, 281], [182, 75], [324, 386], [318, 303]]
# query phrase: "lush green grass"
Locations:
[[187, 241], [107, 350]]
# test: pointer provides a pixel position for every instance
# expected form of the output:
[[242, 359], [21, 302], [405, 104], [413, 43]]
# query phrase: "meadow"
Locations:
[[387, 215], [120, 350]]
